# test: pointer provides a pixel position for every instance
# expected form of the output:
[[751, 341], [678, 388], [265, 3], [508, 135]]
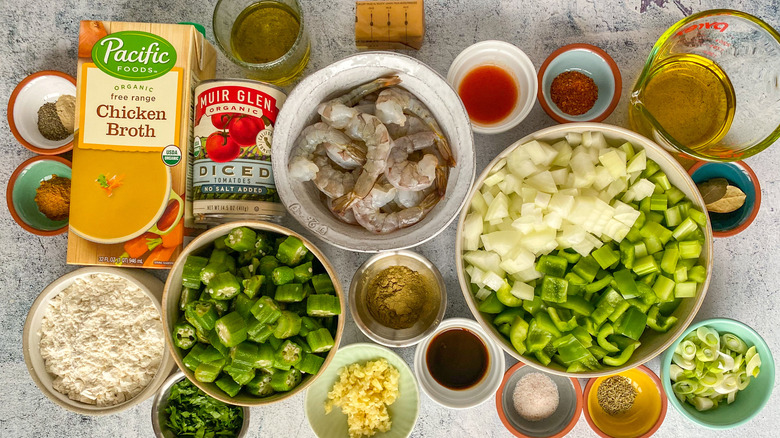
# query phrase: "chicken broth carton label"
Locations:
[[129, 200]]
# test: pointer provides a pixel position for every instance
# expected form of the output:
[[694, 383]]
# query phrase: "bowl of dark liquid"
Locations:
[[459, 366]]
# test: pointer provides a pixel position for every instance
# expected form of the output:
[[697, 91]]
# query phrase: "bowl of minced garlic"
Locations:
[[397, 298]]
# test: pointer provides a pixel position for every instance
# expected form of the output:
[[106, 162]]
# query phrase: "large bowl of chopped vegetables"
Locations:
[[252, 312], [584, 249]]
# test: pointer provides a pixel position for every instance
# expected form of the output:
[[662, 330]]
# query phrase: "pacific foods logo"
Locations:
[[134, 55]]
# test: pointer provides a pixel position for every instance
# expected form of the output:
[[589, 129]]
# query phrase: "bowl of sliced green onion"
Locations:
[[719, 373], [252, 312]]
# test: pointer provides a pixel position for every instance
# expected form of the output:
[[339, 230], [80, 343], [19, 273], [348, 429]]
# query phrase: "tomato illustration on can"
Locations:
[[231, 173]]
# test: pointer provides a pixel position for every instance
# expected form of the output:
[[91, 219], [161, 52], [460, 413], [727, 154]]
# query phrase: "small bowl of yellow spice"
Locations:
[[38, 195], [397, 298]]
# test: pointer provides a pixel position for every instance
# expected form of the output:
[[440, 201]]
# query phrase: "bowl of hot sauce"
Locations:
[[496, 82]]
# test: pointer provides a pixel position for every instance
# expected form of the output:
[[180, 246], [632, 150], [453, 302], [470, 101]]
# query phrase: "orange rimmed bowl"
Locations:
[[642, 420], [556, 425], [590, 61], [22, 188], [33, 91]]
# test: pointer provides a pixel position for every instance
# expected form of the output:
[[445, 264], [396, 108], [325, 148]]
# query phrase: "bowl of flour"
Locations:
[[94, 341]]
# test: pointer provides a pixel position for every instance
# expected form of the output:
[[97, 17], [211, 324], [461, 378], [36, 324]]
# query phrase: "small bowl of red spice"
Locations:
[[496, 81], [38, 195], [579, 83]]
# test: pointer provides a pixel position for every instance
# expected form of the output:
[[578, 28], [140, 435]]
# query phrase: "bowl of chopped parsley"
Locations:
[[182, 410]]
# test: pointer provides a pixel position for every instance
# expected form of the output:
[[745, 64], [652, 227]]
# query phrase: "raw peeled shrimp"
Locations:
[[348, 156], [390, 107], [348, 217], [409, 175], [413, 125], [338, 112], [332, 182], [368, 215], [408, 198], [370, 130], [302, 166]]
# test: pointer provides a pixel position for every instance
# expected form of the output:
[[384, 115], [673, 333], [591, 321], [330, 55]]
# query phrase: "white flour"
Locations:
[[102, 338]]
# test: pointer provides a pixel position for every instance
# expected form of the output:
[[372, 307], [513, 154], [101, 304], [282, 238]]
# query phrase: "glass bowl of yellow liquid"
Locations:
[[267, 38], [709, 87]]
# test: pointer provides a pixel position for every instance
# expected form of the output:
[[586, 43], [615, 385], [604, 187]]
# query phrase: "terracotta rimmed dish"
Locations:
[[749, 402], [652, 343], [160, 404], [739, 174], [172, 294], [590, 61], [645, 416], [403, 412], [463, 398], [31, 339], [32, 92], [436, 302], [21, 190], [555, 426], [512, 60]]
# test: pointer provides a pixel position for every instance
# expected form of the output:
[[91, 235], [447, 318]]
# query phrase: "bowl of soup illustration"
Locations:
[[121, 197]]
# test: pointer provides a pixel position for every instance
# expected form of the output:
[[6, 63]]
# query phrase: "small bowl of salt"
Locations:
[[532, 403]]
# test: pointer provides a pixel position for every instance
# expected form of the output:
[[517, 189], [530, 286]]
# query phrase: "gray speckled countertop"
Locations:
[[42, 35]]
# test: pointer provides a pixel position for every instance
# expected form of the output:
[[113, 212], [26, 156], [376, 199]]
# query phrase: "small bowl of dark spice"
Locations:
[[630, 404], [41, 112], [532, 403], [579, 83], [397, 298], [731, 192], [38, 195]]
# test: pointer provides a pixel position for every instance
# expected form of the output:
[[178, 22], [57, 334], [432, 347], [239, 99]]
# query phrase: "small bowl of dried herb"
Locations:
[[41, 112], [631, 403], [182, 409], [731, 192], [38, 195], [397, 298], [579, 83]]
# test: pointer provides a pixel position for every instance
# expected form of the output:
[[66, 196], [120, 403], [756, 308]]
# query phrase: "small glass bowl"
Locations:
[[590, 61], [432, 315]]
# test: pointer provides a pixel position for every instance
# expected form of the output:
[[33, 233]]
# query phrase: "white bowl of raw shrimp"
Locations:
[[373, 153]]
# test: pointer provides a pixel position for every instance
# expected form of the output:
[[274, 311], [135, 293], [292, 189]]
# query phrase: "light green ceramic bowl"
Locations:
[[749, 402], [403, 413]]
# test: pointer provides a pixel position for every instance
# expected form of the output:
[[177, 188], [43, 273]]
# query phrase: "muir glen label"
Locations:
[[232, 176]]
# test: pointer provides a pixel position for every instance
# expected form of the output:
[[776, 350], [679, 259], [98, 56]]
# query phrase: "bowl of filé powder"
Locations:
[[532, 403]]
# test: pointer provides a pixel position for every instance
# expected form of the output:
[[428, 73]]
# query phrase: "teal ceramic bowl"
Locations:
[[590, 61], [749, 402], [741, 176], [21, 190], [403, 412]]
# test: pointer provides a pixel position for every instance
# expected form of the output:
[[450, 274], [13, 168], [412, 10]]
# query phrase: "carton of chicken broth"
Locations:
[[134, 115]]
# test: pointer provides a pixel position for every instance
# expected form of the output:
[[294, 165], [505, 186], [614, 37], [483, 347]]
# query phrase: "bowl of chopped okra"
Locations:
[[253, 312]]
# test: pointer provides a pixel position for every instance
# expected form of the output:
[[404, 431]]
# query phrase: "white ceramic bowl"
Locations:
[[32, 92], [653, 343], [303, 200], [465, 398], [511, 59], [32, 339], [171, 313]]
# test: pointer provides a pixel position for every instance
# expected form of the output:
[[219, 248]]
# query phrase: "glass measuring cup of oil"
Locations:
[[711, 87], [265, 37]]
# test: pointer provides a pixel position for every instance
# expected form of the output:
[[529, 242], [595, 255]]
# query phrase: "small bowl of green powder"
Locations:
[[397, 298]]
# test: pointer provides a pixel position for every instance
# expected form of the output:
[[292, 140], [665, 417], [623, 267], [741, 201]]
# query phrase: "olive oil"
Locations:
[[690, 98], [264, 32]]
